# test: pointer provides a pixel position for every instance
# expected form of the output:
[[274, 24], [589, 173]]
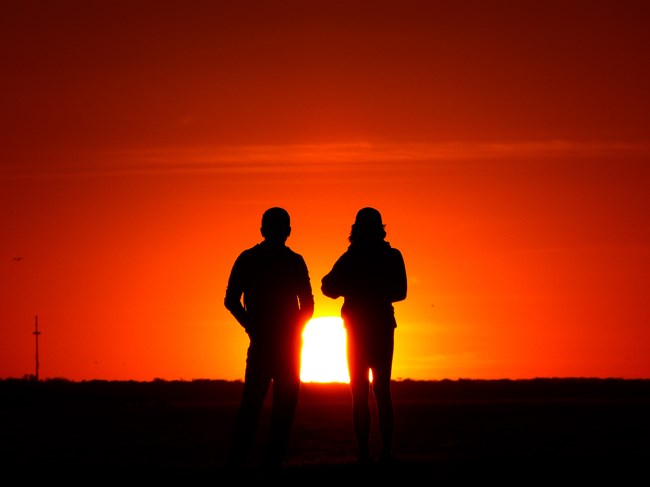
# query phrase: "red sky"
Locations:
[[506, 143]]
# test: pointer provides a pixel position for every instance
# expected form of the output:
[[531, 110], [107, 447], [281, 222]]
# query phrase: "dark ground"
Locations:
[[545, 429]]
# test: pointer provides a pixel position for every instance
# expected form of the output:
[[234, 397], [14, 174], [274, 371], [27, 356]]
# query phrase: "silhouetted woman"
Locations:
[[370, 276]]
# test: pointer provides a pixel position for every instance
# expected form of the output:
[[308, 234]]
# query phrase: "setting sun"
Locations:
[[323, 351]]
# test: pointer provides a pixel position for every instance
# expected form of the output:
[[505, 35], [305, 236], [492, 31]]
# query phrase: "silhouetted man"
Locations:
[[370, 276], [269, 293]]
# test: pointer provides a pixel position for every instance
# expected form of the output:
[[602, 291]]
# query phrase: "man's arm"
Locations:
[[234, 292], [306, 296]]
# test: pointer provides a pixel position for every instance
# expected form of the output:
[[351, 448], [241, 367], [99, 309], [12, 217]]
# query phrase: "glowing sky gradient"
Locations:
[[506, 143]]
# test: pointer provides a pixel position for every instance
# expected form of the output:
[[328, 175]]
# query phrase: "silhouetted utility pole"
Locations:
[[36, 333]]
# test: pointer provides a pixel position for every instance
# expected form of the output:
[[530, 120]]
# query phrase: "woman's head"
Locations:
[[367, 225]]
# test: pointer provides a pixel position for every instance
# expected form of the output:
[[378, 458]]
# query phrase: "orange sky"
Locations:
[[506, 143]]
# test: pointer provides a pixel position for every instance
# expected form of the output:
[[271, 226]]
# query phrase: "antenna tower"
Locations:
[[36, 333]]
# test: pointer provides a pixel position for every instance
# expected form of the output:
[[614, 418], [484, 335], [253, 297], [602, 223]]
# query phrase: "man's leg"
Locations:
[[256, 385]]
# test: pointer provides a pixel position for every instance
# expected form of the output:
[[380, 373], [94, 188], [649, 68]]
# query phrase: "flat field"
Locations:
[[453, 430]]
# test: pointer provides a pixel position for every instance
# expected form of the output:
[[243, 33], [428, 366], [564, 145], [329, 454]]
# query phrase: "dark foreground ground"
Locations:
[[545, 429]]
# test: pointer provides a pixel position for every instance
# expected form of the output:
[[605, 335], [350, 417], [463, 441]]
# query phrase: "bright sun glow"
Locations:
[[323, 351]]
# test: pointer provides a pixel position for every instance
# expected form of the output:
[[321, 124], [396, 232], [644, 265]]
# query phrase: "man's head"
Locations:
[[276, 224]]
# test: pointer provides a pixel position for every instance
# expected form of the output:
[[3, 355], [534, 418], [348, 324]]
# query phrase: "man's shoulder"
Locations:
[[294, 255], [249, 253], [261, 250]]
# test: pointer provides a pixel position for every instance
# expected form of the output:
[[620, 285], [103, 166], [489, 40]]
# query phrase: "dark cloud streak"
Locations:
[[112, 74]]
